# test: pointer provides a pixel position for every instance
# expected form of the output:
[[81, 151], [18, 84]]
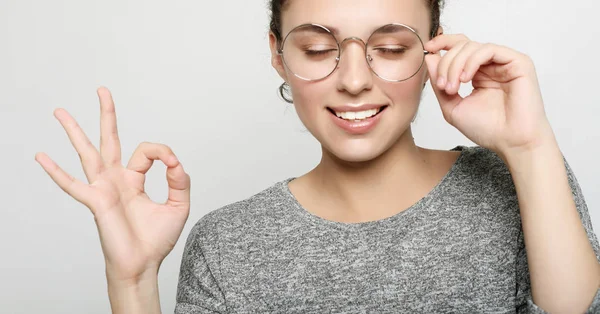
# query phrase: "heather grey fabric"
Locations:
[[458, 250]]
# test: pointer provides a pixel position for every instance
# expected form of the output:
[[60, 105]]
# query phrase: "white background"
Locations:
[[196, 76]]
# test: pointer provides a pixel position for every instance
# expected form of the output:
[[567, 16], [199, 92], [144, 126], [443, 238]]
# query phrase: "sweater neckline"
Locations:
[[434, 193]]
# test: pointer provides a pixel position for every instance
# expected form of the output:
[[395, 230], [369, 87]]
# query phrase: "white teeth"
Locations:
[[359, 115]]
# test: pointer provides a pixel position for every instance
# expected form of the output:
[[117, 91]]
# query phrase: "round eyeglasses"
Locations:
[[394, 52]]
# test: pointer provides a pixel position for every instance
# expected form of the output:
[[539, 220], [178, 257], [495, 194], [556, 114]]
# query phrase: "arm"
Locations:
[[505, 113], [563, 267]]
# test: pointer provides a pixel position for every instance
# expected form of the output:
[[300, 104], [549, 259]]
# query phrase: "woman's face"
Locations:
[[353, 83]]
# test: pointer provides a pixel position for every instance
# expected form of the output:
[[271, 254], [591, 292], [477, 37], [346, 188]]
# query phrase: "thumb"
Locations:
[[179, 185], [447, 102]]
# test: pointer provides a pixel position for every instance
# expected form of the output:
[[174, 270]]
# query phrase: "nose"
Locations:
[[354, 74]]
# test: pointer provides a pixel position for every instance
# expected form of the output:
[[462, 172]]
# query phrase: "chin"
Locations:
[[357, 152], [338, 145]]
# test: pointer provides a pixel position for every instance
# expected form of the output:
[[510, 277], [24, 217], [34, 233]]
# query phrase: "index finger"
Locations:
[[177, 179], [445, 42]]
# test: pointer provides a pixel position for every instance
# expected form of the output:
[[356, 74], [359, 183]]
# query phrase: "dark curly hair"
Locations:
[[277, 6]]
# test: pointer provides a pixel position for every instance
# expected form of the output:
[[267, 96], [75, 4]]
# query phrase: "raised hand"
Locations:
[[136, 233], [505, 111]]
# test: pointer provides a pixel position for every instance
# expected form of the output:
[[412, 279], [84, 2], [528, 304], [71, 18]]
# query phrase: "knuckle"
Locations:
[[469, 44], [475, 44], [528, 61], [166, 149], [489, 46], [527, 58], [144, 145], [157, 149]]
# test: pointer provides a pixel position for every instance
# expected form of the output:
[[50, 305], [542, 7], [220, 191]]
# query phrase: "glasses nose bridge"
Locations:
[[353, 38], [350, 39]]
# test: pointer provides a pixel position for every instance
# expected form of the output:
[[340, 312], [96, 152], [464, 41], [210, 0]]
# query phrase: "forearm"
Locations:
[[135, 297], [564, 271]]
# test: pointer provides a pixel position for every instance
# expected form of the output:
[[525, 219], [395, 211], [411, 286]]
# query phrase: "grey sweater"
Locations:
[[459, 249]]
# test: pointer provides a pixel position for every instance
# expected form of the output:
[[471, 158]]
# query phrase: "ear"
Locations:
[[440, 31], [276, 59]]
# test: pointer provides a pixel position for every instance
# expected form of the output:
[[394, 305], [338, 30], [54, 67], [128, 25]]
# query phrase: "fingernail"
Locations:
[[174, 159], [441, 82], [449, 86], [463, 76]]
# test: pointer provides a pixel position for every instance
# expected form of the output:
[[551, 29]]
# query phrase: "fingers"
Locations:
[[465, 58], [445, 42], [500, 55], [455, 71], [110, 147], [432, 61], [77, 189], [484, 64], [89, 156], [454, 44], [447, 101], [177, 180], [444, 81], [146, 153]]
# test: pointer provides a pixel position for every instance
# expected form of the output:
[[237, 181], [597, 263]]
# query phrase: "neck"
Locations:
[[374, 188]]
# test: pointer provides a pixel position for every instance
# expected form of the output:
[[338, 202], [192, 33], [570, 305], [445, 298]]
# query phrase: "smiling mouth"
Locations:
[[357, 116]]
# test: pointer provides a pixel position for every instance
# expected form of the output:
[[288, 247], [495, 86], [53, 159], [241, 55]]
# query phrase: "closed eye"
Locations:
[[318, 52], [398, 50]]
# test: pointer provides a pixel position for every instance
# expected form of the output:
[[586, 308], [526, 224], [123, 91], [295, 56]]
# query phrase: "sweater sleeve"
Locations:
[[524, 300], [198, 289]]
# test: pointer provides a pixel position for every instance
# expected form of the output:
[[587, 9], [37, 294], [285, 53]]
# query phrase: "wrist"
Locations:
[[118, 278], [527, 158], [543, 147], [134, 295]]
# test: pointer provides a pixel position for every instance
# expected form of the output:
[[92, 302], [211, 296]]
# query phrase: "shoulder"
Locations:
[[482, 170], [478, 158], [235, 220], [484, 165]]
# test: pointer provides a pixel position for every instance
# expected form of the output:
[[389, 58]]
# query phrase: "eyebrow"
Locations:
[[336, 31]]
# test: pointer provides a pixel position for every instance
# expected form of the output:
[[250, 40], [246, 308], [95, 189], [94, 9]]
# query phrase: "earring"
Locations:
[[284, 92]]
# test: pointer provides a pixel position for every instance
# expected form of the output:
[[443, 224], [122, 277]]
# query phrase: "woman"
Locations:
[[379, 225]]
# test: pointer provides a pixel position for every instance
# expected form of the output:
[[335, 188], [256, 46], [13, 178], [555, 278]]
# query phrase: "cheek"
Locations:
[[310, 98], [407, 93]]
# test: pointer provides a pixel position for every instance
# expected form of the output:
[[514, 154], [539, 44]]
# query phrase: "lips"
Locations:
[[356, 126], [356, 115], [351, 108]]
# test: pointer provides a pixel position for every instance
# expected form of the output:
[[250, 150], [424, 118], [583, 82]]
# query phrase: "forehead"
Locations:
[[357, 17]]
